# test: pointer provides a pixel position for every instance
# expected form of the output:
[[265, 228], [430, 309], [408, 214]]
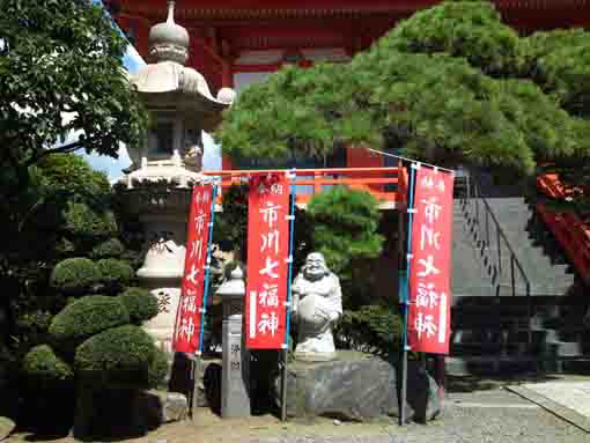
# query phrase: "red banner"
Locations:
[[188, 317], [268, 249], [430, 296]]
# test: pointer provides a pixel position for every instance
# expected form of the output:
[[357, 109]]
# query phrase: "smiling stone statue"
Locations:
[[317, 305]]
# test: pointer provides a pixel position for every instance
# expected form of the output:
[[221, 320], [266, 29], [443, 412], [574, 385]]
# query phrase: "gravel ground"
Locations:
[[493, 415]]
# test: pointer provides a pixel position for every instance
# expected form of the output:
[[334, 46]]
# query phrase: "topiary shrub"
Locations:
[[119, 356], [115, 271], [81, 220], [158, 369], [107, 249], [42, 364], [87, 316], [140, 304], [75, 275]]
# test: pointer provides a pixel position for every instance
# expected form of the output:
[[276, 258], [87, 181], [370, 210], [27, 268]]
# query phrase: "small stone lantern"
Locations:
[[156, 188], [235, 398]]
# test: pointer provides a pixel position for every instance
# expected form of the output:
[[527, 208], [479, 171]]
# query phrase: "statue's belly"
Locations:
[[312, 310]]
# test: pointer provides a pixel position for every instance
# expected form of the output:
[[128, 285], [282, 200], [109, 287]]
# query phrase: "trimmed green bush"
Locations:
[[158, 369], [75, 275], [118, 355], [87, 316], [140, 304], [115, 271], [42, 362], [107, 249]]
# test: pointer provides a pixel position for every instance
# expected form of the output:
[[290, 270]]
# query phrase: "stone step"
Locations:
[[568, 349], [493, 365]]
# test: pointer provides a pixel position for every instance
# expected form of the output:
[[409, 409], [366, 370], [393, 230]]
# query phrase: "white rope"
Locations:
[[387, 154]]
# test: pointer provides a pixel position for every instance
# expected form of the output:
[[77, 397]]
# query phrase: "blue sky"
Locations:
[[113, 167]]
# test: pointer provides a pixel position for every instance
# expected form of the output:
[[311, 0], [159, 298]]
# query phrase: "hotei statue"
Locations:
[[317, 305], [156, 189]]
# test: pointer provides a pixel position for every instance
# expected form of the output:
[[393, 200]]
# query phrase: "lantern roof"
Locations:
[[166, 82]]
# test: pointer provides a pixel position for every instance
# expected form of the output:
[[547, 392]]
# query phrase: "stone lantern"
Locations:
[[156, 189]]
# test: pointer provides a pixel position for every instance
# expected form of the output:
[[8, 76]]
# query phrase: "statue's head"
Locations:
[[315, 266]]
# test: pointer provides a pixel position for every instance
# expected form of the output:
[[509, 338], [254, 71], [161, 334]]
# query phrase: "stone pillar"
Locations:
[[235, 398], [162, 272]]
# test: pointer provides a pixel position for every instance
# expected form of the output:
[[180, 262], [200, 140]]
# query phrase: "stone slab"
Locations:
[[568, 400]]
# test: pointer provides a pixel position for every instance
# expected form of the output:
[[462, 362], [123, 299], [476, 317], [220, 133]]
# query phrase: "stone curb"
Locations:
[[563, 412]]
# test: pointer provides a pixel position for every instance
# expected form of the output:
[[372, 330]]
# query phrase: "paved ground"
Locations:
[[491, 415], [569, 400], [574, 395]]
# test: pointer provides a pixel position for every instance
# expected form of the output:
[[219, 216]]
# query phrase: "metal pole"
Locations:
[[289, 298], [405, 299], [197, 363]]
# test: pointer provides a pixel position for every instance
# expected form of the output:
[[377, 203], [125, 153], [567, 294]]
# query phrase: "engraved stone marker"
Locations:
[[235, 398]]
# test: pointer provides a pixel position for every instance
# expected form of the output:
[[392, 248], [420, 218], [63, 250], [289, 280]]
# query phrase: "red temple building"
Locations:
[[238, 42]]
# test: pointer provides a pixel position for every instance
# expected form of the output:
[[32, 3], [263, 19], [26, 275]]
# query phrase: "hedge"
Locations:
[[42, 362], [88, 316], [75, 275], [121, 355], [372, 328], [140, 304]]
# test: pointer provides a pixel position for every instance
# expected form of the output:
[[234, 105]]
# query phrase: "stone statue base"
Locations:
[[315, 356], [356, 386]]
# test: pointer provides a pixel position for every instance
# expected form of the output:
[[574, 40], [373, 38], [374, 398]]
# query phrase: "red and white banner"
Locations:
[[188, 317], [268, 250], [430, 273]]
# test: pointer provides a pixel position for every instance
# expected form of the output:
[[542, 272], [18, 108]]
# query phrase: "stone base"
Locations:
[[357, 387]]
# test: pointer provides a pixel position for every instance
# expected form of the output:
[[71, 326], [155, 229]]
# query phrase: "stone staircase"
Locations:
[[511, 309], [548, 274], [494, 335]]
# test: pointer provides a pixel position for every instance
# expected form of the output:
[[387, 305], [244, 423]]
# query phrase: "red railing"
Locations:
[[572, 233], [573, 236], [388, 185], [551, 185]]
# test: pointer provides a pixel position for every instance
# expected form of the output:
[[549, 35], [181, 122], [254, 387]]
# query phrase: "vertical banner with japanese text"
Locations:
[[188, 317], [430, 296], [268, 250]]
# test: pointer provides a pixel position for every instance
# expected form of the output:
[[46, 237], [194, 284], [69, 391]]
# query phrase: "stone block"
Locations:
[[6, 427], [165, 407], [357, 387]]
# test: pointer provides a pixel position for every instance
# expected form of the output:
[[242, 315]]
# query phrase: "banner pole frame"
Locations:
[[285, 352], [405, 299], [197, 361]]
